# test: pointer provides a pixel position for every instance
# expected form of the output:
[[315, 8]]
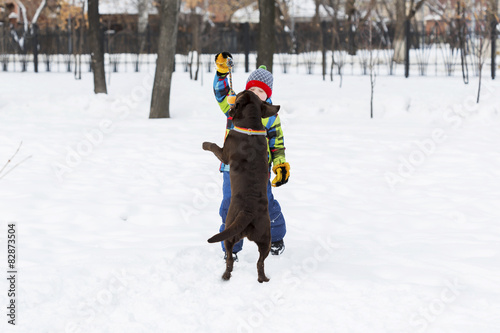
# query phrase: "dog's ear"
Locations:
[[269, 110], [232, 111], [236, 106]]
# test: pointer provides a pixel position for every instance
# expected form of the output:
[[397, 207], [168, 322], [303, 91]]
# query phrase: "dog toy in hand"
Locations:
[[282, 172], [223, 62], [231, 98]]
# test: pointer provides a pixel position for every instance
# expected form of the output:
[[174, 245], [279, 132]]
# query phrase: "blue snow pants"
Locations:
[[278, 227]]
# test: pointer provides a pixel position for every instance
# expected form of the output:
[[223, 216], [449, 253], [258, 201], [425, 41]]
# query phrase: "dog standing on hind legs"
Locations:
[[245, 150]]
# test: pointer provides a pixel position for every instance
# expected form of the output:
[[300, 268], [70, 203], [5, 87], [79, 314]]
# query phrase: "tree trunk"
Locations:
[[480, 79], [402, 19], [324, 31], [35, 46], [350, 23], [265, 51], [407, 47], [335, 43], [399, 33], [493, 18], [196, 26], [246, 45], [321, 28], [96, 47], [372, 71], [160, 101], [462, 32], [142, 23]]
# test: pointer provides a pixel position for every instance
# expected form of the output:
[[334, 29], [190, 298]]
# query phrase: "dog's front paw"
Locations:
[[206, 145]]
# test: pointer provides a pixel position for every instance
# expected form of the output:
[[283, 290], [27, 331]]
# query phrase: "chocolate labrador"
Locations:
[[245, 150]]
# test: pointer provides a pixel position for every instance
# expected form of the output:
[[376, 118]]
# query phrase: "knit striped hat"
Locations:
[[261, 78]]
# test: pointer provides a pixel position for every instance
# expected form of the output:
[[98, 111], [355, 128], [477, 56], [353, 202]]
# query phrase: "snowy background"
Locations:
[[393, 222]]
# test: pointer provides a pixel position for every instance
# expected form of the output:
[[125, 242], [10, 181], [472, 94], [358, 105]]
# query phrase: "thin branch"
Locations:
[[25, 17], [38, 12], [440, 11], [413, 11], [15, 166], [10, 159], [371, 5], [388, 10], [419, 5]]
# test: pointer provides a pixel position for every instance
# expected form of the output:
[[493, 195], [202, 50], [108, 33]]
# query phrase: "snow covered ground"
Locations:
[[393, 222]]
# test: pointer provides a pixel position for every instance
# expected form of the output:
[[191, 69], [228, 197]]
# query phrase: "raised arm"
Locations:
[[221, 80]]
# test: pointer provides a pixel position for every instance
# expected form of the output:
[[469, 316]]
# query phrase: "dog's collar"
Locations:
[[249, 131]]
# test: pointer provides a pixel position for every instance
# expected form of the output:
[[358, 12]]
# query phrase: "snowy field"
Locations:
[[393, 222]]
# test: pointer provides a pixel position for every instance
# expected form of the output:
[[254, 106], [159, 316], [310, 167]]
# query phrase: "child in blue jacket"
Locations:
[[260, 82]]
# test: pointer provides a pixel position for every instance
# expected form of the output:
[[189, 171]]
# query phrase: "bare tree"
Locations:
[[23, 13], [38, 11], [399, 34], [332, 7], [286, 42], [355, 20], [160, 101], [485, 26], [196, 46], [27, 25], [403, 15], [493, 22], [142, 22], [350, 10], [195, 27], [267, 43], [319, 27], [481, 46], [78, 55], [96, 47], [453, 16], [371, 65], [462, 35]]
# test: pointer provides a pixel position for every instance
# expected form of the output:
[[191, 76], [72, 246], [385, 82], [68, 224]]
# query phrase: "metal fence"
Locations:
[[310, 49]]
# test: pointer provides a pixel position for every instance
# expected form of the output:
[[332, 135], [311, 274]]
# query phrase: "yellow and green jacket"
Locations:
[[275, 140]]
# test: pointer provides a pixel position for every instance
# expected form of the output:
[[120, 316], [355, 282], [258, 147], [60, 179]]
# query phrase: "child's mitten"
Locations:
[[223, 61], [231, 99], [282, 172]]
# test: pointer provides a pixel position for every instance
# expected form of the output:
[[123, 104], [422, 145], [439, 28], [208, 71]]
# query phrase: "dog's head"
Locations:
[[249, 106]]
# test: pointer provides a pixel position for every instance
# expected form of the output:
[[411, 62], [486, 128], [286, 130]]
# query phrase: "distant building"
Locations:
[[9, 12], [118, 15], [298, 11]]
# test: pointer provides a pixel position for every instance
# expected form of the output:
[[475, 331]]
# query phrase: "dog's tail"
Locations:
[[239, 224]]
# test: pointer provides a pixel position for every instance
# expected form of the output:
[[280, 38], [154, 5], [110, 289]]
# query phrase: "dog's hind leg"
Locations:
[[228, 244], [264, 248]]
